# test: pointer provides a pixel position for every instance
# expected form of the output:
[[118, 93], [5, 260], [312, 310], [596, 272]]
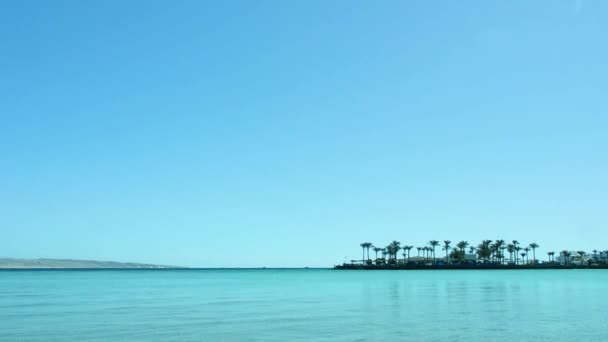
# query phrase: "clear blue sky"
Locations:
[[284, 133]]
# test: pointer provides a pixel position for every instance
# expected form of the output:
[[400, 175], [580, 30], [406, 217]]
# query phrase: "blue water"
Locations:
[[304, 305]]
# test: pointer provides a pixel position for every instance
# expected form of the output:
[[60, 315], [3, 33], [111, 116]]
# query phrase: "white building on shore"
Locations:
[[575, 258]]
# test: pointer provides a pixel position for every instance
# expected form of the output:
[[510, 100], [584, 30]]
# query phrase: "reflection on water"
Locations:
[[326, 305]]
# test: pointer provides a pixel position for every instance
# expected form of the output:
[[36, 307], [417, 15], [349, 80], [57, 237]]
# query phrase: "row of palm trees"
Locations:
[[494, 251]]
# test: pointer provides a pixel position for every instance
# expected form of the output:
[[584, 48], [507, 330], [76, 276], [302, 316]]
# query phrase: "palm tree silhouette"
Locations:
[[390, 250], [419, 249], [534, 246], [500, 255], [527, 249], [446, 248], [516, 248], [511, 250], [376, 250], [393, 248], [551, 256], [434, 244], [408, 248], [498, 247], [363, 245], [456, 253], [366, 246], [462, 245], [484, 250]]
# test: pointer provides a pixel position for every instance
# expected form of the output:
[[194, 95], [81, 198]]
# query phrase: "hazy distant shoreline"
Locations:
[[12, 263]]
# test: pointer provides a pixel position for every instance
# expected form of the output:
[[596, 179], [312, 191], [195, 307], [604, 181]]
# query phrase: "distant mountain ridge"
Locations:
[[71, 263]]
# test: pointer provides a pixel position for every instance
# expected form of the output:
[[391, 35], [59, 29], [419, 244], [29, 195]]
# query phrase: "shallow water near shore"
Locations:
[[304, 305]]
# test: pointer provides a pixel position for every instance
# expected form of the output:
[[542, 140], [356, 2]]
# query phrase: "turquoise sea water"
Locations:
[[304, 305]]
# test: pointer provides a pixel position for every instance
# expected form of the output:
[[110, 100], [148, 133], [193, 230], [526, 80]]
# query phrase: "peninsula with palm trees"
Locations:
[[489, 254]]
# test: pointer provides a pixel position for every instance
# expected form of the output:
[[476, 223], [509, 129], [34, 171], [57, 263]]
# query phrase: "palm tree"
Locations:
[[499, 256], [551, 256], [527, 249], [511, 250], [408, 251], [434, 244], [498, 246], [595, 254], [484, 250], [363, 246], [446, 248], [390, 250], [396, 247], [393, 248], [493, 251], [534, 246], [516, 248], [523, 257], [462, 245], [369, 245], [456, 253], [376, 250]]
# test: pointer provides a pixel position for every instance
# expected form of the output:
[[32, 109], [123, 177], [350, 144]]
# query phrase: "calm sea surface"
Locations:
[[304, 305]]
